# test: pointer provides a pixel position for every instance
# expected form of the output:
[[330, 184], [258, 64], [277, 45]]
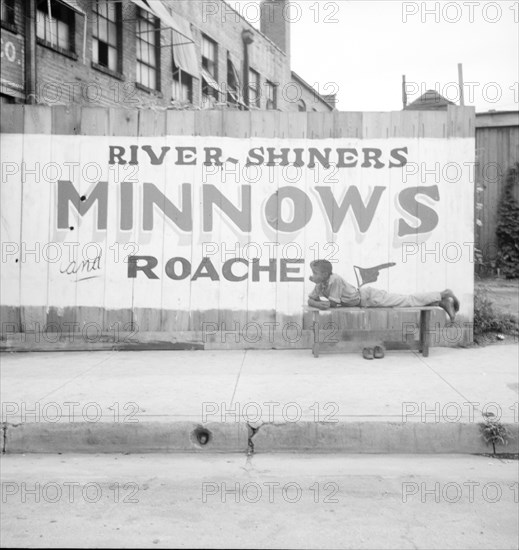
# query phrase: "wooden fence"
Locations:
[[497, 150], [128, 229]]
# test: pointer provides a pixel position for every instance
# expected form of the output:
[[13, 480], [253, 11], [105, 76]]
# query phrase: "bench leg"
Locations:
[[315, 347], [425, 323]]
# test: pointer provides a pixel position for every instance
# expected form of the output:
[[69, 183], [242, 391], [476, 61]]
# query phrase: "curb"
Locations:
[[383, 437]]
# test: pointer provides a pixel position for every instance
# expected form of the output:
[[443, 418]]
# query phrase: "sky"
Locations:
[[361, 48]]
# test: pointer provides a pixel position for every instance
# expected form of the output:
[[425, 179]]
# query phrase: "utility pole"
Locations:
[[460, 81]]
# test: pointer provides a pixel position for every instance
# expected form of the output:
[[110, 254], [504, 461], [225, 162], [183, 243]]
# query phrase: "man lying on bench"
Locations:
[[338, 293]]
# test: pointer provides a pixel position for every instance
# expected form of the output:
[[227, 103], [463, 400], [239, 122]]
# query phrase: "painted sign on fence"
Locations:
[[11, 54], [180, 229]]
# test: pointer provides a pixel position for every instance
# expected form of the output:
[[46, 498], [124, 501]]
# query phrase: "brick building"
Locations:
[[178, 54]]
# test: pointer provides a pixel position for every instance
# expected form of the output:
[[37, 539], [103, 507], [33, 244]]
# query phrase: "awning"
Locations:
[[238, 101], [234, 66], [73, 5], [208, 77], [184, 50], [236, 94], [182, 43], [144, 6]]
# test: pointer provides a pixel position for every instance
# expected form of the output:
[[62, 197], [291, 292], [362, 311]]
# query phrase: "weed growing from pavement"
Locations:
[[495, 433], [486, 319]]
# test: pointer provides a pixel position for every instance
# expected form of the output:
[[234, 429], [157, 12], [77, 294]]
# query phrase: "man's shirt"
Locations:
[[337, 290]]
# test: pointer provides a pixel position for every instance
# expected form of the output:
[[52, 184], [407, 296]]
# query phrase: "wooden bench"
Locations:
[[422, 345]]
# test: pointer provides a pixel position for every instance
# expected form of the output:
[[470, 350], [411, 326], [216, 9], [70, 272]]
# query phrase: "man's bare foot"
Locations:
[[447, 293], [447, 304]]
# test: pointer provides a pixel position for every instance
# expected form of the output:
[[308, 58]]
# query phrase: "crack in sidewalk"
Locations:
[[250, 444], [4, 438]]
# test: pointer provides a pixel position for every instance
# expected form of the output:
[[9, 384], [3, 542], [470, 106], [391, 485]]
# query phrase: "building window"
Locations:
[[272, 95], [209, 56], [210, 88], [234, 95], [56, 28], [182, 85], [7, 13], [106, 43], [148, 50], [301, 106], [254, 88]]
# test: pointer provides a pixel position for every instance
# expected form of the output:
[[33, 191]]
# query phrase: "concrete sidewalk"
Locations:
[[163, 401]]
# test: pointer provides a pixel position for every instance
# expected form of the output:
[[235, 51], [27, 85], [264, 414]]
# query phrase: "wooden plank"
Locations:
[[118, 287], [106, 340], [147, 294], [406, 124], [11, 119], [66, 119], [62, 278], [432, 124], [376, 125], [290, 245], [10, 320], [492, 181], [208, 123], [233, 295], [296, 125], [37, 196], [262, 123], [94, 121], [37, 119], [176, 295], [366, 310], [237, 123], [152, 123], [347, 124], [320, 125], [261, 295], [94, 246], [123, 122], [13, 255], [180, 123], [460, 121]]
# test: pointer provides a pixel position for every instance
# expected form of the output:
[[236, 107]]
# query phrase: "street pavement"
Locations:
[[189, 449], [261, 501]]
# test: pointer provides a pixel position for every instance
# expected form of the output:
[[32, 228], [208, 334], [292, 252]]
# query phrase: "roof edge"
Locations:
[[309, 87]]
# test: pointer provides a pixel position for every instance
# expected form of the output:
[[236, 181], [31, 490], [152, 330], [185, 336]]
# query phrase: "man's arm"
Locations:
[[318, 304], [313, 299]]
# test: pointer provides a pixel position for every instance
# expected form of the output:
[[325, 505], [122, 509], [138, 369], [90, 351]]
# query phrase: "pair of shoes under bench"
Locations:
[[373, 353]]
